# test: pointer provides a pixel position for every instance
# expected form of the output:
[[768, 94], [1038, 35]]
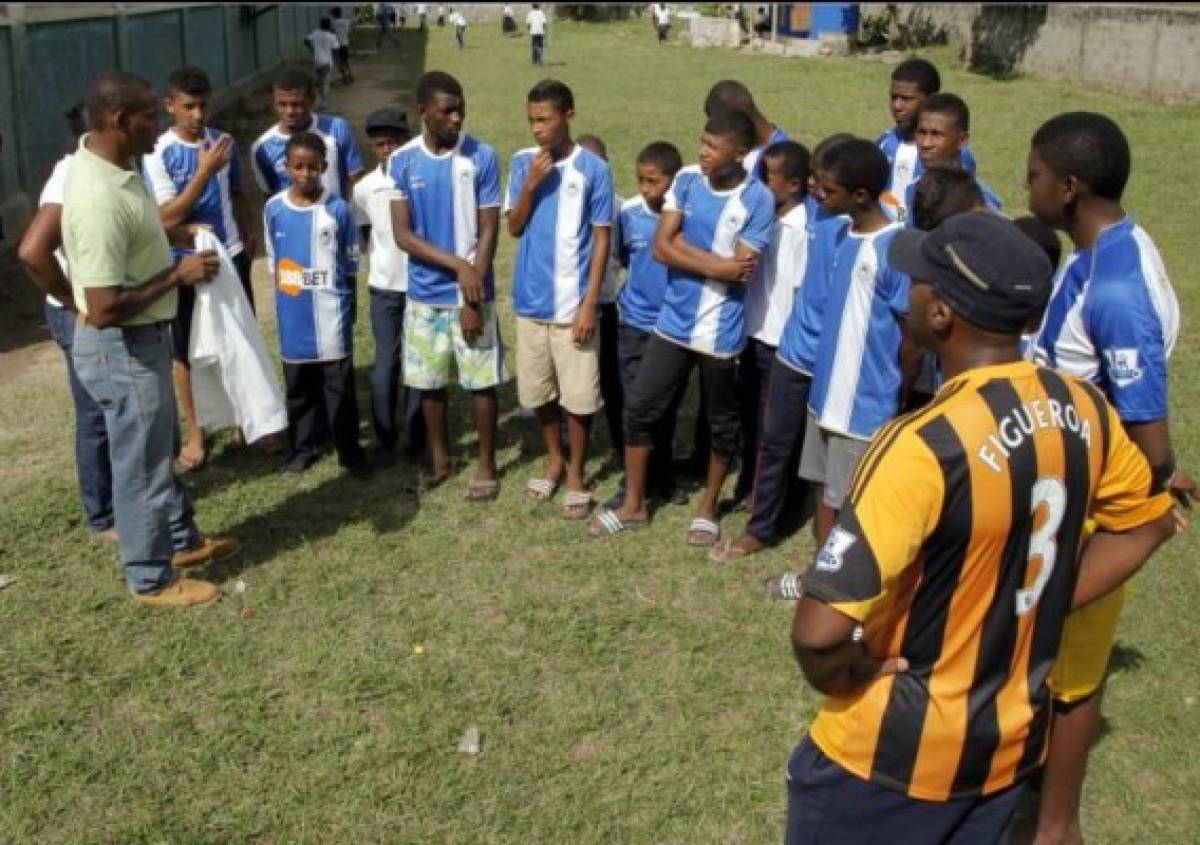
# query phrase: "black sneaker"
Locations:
[[299, 462]]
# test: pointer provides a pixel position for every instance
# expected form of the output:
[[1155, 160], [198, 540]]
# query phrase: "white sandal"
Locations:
[[704, 525]]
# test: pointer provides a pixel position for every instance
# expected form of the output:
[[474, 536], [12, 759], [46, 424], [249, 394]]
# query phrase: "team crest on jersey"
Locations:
[[466, 176], [572, 189], [1123, 366], [325, 239], [833, 554], [733, 222]]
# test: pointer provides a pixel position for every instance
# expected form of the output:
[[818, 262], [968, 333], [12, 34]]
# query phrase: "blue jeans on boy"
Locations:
[[127, 372], [387, 327], [91, 434]]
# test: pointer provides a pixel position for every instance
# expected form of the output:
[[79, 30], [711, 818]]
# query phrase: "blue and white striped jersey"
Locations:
[[703, 314], [646, 285], [906, 168], [802, 331], [268, 156], [550, 273], [856, 383], [312, 255], [1113, 319], [172, 165], [444, 193], [753, 161]]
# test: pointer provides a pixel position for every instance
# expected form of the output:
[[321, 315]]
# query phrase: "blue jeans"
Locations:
[[127, 372], [387, 326], [91, 434]]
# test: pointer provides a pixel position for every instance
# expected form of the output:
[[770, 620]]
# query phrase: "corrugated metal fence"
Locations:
[[50, 53]]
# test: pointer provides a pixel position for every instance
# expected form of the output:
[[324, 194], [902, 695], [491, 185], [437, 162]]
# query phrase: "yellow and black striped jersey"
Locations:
[[958, 549]]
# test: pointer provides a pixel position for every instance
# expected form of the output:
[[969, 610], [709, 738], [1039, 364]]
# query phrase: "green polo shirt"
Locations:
[[112, 233]]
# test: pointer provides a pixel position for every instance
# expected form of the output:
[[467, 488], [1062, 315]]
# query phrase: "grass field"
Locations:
[[626, 691]]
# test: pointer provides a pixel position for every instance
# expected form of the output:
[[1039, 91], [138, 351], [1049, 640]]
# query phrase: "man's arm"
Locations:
[[470, 279], [832, 661], [110, 306], [36, 253], [1154, 439], [1110, 559], [583, 327], [522, 209], [670, 249], [211, 159]]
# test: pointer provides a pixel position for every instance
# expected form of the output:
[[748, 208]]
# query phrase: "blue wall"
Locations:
[[46, 64]]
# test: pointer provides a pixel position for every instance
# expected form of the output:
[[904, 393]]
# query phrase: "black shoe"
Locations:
[[299, 462], [671, 496]]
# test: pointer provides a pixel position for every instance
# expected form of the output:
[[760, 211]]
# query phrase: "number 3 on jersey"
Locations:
[[1049, 492]]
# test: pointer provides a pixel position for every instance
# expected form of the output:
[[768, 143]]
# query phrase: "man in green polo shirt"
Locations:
[[124, 283]]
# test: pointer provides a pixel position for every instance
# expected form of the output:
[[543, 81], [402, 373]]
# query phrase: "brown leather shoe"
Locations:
[[181, 592], [209, 550]]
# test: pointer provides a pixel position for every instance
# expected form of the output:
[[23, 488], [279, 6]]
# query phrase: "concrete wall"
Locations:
[[49, 54], [715, 32], [1145, 49]]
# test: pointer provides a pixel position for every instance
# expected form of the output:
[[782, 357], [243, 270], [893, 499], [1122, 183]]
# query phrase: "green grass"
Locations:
[[626, 691]]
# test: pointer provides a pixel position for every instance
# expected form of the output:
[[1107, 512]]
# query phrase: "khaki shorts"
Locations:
[[551, 368], [830, 459]]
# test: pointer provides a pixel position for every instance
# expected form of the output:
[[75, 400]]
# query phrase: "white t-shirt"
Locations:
[[781, 272], [662, 15], [458, 20], [52, 194], [323, 43], [536, 21], [341, 27], [373, 195], [508, 11]]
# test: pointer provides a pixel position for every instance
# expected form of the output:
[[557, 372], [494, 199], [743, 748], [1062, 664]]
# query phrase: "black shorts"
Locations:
[[342, 54]]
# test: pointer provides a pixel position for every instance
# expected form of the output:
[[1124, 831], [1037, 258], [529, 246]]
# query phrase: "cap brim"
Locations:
[[905, 253]]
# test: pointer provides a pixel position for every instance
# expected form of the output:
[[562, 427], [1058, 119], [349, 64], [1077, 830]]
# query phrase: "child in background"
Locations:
[[716, 220], [769, 300], [341, 28], [641, 301], [858, 380], [387, 282], [609, 321], [312, 255], [292, 95], [559, 203], [943, 132], [324, 44]]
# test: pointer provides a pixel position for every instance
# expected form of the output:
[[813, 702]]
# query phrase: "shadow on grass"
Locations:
[[1126, 659]]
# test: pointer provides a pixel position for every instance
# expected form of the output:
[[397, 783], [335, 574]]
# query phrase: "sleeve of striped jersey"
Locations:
[[878, 535], [397, 171], [261, 168], [1128, 336], [347, 256], [673, 199], [235, 167], [349, 159], [897, 285], [620, 237], [487, 179], [269, 242], [600, 203], [1123, 500], [518, 167], [157, 177], [756, 234]]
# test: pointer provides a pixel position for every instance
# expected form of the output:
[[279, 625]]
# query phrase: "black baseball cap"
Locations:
[[388, 117], [987, 269]]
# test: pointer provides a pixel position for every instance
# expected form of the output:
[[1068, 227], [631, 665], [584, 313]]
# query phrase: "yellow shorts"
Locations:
[[1087, 644]]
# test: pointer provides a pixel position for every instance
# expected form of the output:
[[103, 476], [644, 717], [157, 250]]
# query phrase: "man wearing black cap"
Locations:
[[388, 282], [933, 613]]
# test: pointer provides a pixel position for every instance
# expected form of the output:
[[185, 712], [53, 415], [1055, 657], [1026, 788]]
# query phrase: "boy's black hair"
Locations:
[[589, 141], [826, 144], [188, 80], [437, 82], [942, 192], [305, 141], [295, 78], [1043, 236], [730, 94], [401, 133], [796, 161], [732, 124], [553, 92], [920, 72], [326, 24], [950, 104], [661, 154], [1090, 147], [77, 119], [335, 12], [858, 165]]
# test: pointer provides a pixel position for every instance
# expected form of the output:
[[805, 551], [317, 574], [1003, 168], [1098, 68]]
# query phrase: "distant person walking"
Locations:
[[535, 21], [508, 24], [662, 21], [422, 17], [459, 22], [124, 284], [324, 43], [341, 28], [383, 17]]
